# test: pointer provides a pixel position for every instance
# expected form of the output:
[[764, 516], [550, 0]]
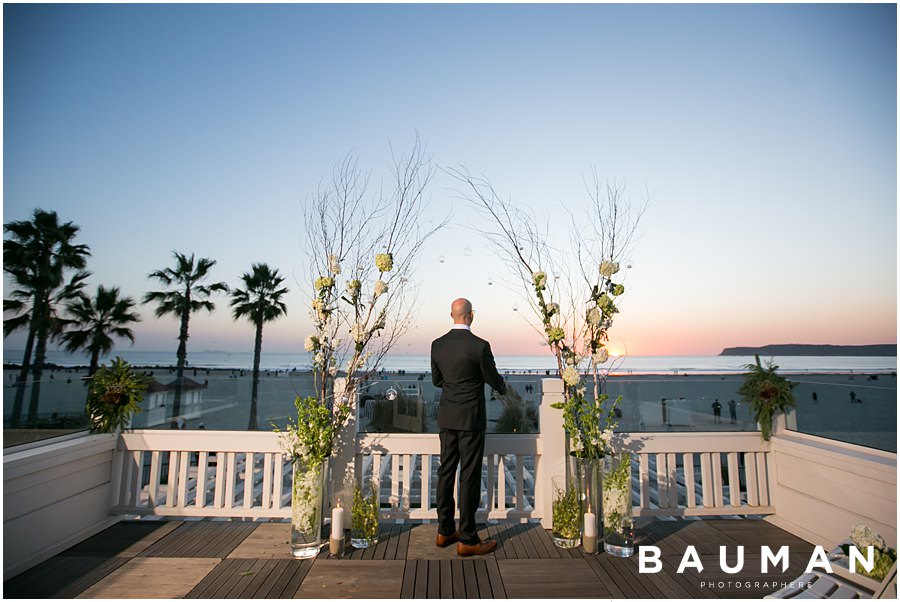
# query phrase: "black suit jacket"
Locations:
[[461, 364]]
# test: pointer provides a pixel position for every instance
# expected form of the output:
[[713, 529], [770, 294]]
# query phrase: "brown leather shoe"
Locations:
[[442, 541], [476, 549]]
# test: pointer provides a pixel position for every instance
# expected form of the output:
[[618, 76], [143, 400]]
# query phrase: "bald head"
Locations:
[[461, 311]]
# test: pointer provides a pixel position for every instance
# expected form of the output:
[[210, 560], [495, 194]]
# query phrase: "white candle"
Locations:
[[590, 524], [337, 522]]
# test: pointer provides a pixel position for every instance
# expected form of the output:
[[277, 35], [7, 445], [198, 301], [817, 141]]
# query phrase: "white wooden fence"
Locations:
[[243, 474]]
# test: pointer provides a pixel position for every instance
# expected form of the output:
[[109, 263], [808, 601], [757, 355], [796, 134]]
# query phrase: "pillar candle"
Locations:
[[590, 533], [337, 522]]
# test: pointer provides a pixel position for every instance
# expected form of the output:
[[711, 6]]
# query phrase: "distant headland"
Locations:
[[888, 350]]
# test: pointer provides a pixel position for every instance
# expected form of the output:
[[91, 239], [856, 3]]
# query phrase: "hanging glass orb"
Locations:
[[515, 307], [467, 251], [490, 281], [441, 259], [390, 394]]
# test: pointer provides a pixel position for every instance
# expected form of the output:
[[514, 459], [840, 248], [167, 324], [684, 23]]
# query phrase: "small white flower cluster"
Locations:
[[359, 332], [601, 356], [593, 316], [608, 268], [863, 536], [552, 308], [381, 288], [311, 343], [353, 286], [334, 264], [539, 279], [616, 505], [571, 376]]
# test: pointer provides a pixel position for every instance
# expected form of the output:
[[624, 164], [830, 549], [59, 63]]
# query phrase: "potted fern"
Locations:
[[115, 396], [767, 392]]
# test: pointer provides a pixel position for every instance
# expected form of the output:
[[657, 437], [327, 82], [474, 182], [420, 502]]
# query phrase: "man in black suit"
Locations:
[[461, 364]]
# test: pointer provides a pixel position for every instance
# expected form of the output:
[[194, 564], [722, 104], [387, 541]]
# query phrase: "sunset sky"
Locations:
[[764, 135]]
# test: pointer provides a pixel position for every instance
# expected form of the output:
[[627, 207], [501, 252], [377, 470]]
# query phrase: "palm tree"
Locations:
[[186, 296], [96, 321], [37, 256], [260, 301]]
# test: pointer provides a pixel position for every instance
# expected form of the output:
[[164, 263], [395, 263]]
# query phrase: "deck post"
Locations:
[[343, 461], [552, 449]]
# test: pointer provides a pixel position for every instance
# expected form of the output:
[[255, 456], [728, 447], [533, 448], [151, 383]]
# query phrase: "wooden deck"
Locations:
[[231, 559]]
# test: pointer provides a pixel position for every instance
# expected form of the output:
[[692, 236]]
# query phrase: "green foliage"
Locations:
[[311, 438], [617, 510], [566, 513], [767, 393], [115, 395], [588, 423], [364, 514]]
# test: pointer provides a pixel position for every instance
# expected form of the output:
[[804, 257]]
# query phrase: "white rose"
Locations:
[[593, 316], [311, 343], [381, 288], [608, 268], [571, 376], [334, 266]]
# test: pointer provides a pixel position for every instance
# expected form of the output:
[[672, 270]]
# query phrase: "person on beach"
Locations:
[[732, 411], [717, 411], [461, 364]]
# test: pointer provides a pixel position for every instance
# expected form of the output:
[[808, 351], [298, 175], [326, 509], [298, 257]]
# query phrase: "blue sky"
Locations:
[[766, 134]]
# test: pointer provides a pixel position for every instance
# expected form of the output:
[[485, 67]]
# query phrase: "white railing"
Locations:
[[404, 468], [201, 473], [694, 474], [228, 474]]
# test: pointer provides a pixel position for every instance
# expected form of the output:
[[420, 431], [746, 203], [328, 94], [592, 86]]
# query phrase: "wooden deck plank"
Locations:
[[543, 547], [421, 588], [485, 589], [153, 578], [496, 581], [433, 590], [213, 585], [446, 584], [267, 540], [458, 579], [605, 576], [61, 577], [552, 577], [260, 580], [631, 581], [408, 586], [265, 587], [468, 571], [126, 538], [362, 579], [288, 582], [504, 534]]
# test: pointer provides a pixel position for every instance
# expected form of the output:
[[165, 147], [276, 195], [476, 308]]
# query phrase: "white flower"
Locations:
[[539, 279], [311, 343], [381, 288], [318, 305], [353, 286], [334, 265], [863, 536], [552, 308], [319, 359], [608, 268], [571, 376], [601, 356], [359, 332], [593, 316]]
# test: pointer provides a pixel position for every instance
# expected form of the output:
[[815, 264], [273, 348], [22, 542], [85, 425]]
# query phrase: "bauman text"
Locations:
[[649, 559]]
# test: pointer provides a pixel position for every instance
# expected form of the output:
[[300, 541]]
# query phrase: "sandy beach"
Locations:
[[688, 405]]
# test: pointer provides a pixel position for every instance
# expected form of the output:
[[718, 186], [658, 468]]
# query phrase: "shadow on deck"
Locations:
[[228, 559]]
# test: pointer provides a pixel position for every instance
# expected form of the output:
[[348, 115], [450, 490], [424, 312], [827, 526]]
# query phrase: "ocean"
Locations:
[[671, 364]]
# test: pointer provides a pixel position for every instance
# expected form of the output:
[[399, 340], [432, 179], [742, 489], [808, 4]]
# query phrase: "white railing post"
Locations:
[[344, 457], [552, 448]]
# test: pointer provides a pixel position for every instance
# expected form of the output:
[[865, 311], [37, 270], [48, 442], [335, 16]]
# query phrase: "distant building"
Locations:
[[159, 400]]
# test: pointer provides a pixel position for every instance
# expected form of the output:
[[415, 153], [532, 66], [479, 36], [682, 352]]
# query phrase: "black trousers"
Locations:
[[465, 448]]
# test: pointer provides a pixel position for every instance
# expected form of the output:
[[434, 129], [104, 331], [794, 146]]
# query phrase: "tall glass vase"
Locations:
[[588, 476], [618, 522], [307, 494]]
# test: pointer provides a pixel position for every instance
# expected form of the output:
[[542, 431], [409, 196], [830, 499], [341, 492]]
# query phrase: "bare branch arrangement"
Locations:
[[571, 291], [362, 245]]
